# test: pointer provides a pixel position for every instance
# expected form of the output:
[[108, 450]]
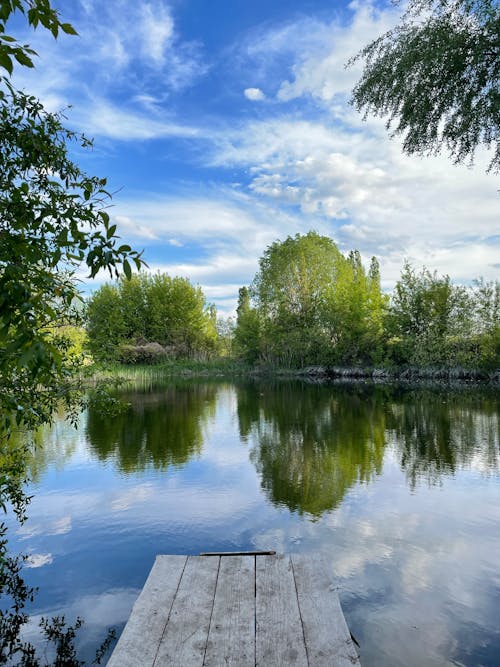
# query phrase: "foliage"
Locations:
[[37, 12], [126, 318], [312, 305], [427, 315], [309, 304], [225, 336], [52, 219], [437, 78], [247, 332], [435, 323]]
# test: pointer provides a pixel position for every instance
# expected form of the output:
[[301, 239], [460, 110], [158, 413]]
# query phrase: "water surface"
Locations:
[[398, 487]]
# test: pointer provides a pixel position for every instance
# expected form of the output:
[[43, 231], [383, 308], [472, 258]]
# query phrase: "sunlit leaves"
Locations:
[[52, 221], [159, 309], [312, 305], [38, 13]]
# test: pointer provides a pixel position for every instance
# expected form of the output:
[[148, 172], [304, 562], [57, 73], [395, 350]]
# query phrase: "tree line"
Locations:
[[148, 318], [308, 304]]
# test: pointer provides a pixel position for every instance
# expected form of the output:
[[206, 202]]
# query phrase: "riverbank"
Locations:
[[230, 368]]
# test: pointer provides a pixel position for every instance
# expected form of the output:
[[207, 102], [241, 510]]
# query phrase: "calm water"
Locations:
[[399, 488]]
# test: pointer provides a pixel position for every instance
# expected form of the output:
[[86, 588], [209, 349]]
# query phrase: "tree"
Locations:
[[247, 332], [170, 312], [436, 76], [105, 323], [52, 221], [37, 12], [428, 315], [316, 306], [486, 317], [291, 289]]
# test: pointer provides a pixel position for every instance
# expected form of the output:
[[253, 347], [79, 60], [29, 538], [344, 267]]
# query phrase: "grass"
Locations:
[[148, 375], [181, 368]]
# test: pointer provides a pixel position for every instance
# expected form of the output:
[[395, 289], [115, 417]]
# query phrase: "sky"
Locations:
[[225, 125]]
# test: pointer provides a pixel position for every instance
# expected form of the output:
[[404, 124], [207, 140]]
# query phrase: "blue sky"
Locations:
[[224, 125]]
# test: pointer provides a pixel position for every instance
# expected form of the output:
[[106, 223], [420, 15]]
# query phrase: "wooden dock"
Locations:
[[243, 610]]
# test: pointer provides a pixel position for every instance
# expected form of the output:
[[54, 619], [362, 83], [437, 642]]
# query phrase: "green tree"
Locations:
[[106, 325], [151, 309], [52, 221], [247, 332], [436, 76], [485, 299], [291, 287], [225, 335], [179, 316], [354, 311], [37, 12], [428, 314], [316, 306]]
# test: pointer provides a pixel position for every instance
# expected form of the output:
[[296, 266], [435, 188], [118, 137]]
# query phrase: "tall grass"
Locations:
[[145, 374]]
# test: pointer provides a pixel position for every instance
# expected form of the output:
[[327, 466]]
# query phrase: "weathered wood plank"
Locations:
[[279, 639], [238, 553], [231, 639], [185, 637], [139, 641], [327, 637]]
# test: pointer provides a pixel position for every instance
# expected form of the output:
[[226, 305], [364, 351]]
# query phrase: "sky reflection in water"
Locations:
[[400, 488]]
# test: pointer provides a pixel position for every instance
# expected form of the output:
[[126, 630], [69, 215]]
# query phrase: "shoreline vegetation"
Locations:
[[230, 368], [310, 311]]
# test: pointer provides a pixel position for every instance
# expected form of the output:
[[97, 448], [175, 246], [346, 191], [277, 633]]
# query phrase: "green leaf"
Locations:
[[23, 59], [126, 268], [111, 231], [68, 29], [5, 61]]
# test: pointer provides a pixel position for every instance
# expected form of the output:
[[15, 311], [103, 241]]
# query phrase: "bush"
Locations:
[[147, 353]]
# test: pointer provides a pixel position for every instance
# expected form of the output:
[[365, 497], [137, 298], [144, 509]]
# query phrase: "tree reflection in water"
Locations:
[[160, 428], [438, 432], [313, 443]]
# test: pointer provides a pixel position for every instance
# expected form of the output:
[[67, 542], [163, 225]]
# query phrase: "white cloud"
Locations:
[[254, 94], [157, 28], [346, 177], [134, 230], [218, 218], [125, 53], [321, 71], [39, 560], [103, 118]]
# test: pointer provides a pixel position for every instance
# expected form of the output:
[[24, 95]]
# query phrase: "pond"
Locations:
[[398, 487]]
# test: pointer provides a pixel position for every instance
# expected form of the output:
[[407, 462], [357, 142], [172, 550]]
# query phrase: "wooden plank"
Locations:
[[327, 637], [238, 553], [231, 639], [185, 638], [279, 638], [139, 640]]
